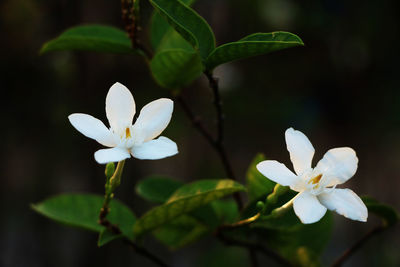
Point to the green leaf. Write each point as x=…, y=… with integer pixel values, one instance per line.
x=226, y=210
x=252, y=45
x=180, y=232
x=82, y=211
x=160, y=29
x=175, y=69
x=295, y=241
x=188, y=23
x=387, y=213
x=95, y=38
x=106, y=236
x=157, y=188
x=186, y=199
x=257, y=184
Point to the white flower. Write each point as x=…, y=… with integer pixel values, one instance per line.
x=124, y=138
x=317, y=187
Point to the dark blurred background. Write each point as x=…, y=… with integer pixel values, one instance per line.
x=341, y=89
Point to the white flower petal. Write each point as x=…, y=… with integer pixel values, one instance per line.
x=277, y=172
x=159, y=148
x=308, y=208
x=92, y=128
x=300, y=149
x=338, y=165
x=115, y=154
x=120, y=107
x=346, y=203
x=153, y=119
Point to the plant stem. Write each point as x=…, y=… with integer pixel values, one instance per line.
x=130, y=16
x=111, y=184
x=349, y=252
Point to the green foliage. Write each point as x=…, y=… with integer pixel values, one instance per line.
x=82, y=211
x=297, y=242
x=176, y=68
x=257, y=184
x=388, y=214
x=252, y=45
x=96, y=38
x=186, y=199
x=157, y=188
x=160, y=29
x=188, y=23
x=181, y=232
x=105, y=237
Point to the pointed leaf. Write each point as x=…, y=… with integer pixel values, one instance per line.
x=252, y=45
x=175, y=69
x=105, y=237
x=157, y=188
x=95, y=38
x=160, y=29
x=257, y=184
x=188, y=23
x=186, y=199
x=82, y=211
x=388, y=214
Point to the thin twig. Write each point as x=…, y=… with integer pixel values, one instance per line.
x=252, y=247
x=130, y=16
x=349, y=252
x=140, y=250
x=218, y=144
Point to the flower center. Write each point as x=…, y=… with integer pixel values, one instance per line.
x=315, y=181
x=128, y=133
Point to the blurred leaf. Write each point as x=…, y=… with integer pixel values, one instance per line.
x=175, y=69
x=180, y=232
x=160, y=29
x=257, y=184
x=186, y=199
x=226, y=210
x=387, y=213
x=82, y=211
x=157, y=188
x=105, y=237
x=287, y=235
x=252, y=45
x=173, y=41
x=95, y=38
x=188, y=23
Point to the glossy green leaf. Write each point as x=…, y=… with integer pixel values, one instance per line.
x=82, y=211
x=180, y=232
x=157, y=188
x=257, y=184
x=252, y=45
x=95, y=38
x=160, y=29
x=188, y=23
x=175, y=69
x=186, y=199
x=388, y=214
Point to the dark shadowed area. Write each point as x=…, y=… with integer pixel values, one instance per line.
x=340, y=89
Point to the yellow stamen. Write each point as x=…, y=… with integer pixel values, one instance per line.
x=316, y=179
x=128, y=133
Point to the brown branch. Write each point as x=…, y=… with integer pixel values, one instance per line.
x=130, y=17
x=253, y=247
x=349, y=252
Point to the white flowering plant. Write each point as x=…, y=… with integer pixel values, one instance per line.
x=274, y=211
